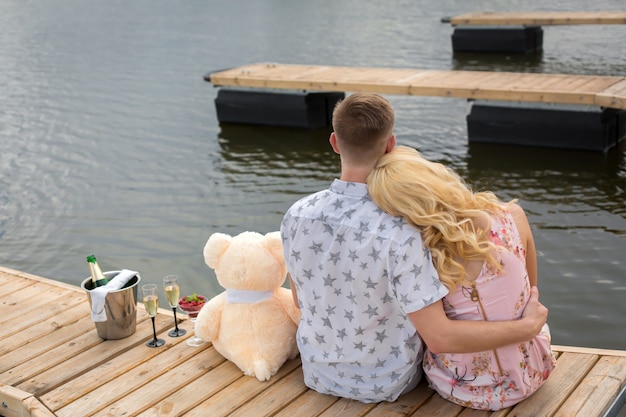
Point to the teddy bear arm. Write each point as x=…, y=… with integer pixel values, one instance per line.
x=207, y=325
x=286, y=301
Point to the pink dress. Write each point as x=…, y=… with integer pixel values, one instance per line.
x=502, y=377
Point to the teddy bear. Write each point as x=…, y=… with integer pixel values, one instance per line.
x=253, y=322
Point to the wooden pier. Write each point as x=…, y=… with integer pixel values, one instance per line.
x=539, y=18
x=518, y=32
x=583, y=112
x=52, y=363
x=591, y=90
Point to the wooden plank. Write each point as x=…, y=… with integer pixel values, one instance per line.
x=344, y=407
x=606, y=91
x=559, y=349
x=438, y=407
x=406, y=405
x=541, y=18
x=12, y=310
x=412, y=77
x=598, y=390
x=509, y=92
x=70, y=313
x=534, y=88
x=12, y=401
x=79, y=362
x=570, y=370
x=614, y=96
x=41, y=363
x=134, y=390
x=311, y=403
x=190, y=395
x=51, y=351
x=276, y=397
x=46, y=335
x=10, y=284
x=180, y=374
x=502, y=83
x=468, y=412
x=17, y=403
x=83, y=384
x=319, y=78
x=51, y=282
x=545, y=83
x=36, y=408
x=238, y=393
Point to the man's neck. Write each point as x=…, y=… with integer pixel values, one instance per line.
x=355, y=175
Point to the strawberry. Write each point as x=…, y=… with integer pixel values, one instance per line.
x=192, y=302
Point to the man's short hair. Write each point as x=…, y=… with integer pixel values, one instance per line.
x=363, y=119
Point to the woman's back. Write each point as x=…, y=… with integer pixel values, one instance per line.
x=499, y=378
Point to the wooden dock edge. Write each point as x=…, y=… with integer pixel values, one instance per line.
x=17, y=403
x=589, y=350
x=40, y=279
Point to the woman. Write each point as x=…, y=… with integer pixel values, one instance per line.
x=484, y=253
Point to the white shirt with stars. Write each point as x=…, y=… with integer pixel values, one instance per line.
x=357, y=272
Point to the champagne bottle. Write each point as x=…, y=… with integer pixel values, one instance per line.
x=97, y=277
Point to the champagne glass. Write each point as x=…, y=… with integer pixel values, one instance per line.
x=191, y=305
x=172, y=293
x=151, y=302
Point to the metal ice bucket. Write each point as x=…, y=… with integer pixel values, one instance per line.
x=120, y=306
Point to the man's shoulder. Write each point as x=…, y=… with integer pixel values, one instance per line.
x=311, y=197
x=307, y=204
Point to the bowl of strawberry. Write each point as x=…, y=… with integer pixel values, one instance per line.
x=191, y=304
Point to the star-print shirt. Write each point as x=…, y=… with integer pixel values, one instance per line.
x=357, y=272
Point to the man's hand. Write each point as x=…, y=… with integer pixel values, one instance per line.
x=535, y=313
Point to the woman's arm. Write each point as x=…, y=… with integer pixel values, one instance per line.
x=523, y=226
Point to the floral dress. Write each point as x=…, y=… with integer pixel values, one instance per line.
x=502, y=377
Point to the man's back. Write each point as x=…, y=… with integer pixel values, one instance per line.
x=357, y=271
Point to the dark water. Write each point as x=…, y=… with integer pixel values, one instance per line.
x=109, y=142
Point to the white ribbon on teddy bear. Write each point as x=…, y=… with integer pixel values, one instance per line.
x=247, y=296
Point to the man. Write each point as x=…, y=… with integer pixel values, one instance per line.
x=366, y=286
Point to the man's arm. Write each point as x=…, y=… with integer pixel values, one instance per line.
x=443, y=335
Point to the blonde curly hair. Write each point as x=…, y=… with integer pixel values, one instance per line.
x=436, y=200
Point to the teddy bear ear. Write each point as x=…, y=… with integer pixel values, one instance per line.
x=215, y=247
x=274, y=244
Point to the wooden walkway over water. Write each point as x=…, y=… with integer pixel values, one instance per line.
x=591, y=90
x=519, y=32
x=52, y=363
x=540, y=18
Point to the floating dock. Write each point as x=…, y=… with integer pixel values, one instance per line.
x=592, y=90
x=583, y=112
x=539, y=18
x=518, y=32
x=52, y=363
